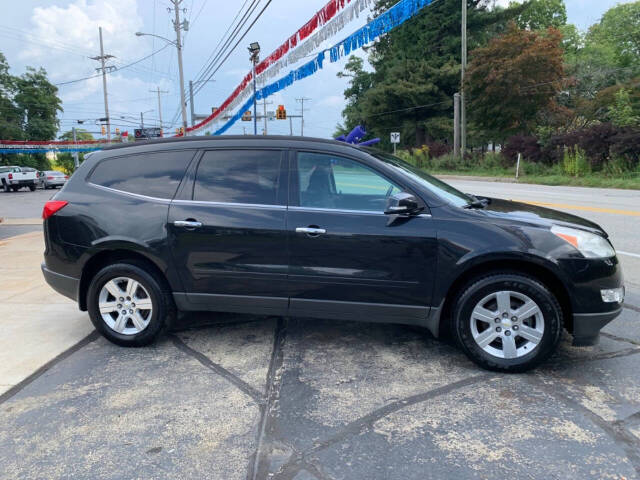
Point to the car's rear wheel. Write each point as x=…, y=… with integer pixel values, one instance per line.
x=6, y=187
x=128, y=304
x=32, y=188
x=507, y=322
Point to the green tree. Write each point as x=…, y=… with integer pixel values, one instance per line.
x=618, y=34
x=513, y=79
x=65, y=160
x=359, y=83
x=621, y=112
x=417, y=71
x=10, y=115
x=542, y=14
x=38, y=99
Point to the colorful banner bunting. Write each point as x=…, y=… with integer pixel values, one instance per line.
x=392, y=18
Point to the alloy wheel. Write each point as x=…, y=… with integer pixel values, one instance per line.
x=125, y=305
x=507, y=324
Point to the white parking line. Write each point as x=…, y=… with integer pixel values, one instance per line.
x=628, y=254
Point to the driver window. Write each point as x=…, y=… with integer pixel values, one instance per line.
x=328, y=181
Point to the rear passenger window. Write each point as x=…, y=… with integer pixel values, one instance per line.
x=238, y=176
x=155, y=174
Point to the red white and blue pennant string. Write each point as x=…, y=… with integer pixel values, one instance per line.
x=390, y=19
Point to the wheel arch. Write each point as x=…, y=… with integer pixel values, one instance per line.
x=106, y=257
x=539, y=271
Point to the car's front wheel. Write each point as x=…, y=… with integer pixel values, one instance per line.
x=128, y=305
x=507, y=322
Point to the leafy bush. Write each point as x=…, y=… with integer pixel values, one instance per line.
x=527, y=145
x=575, y=162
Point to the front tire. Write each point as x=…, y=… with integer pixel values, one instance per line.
x=507, y=322
x=128, y=304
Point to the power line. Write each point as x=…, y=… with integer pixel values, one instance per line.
x=117, y=69
x=239, y=40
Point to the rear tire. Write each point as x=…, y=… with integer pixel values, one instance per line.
x=488, y=329
x=5, y=187
x=137, y=327
x=32, y=188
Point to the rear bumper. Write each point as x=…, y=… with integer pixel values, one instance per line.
x=67, y=286
x=587, y=326
x=23, y=183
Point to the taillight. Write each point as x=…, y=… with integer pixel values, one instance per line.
x=10, y=176
x=66, y=177
x=52, y=207
x=49, y=178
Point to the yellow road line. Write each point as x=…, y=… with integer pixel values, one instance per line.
x=630, y=213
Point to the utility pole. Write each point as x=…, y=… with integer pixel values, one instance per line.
x=193, y=113
x=104, y=69
x=456, y=124
x=141, y=119
x=463, y=111
x=302, y=100
x=159, y=104
x=178, y=26
x=264, y=105
x=290, y=126
x=76, y=161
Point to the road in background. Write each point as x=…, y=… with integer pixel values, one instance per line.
x=617, y=211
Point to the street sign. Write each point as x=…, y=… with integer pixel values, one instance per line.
x=148, y=132
x=395, y=137
x=271, y=115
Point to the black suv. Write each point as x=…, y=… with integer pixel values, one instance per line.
x=316, y=228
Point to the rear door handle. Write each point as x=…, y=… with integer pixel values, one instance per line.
x=310, y=230
x=187, y=224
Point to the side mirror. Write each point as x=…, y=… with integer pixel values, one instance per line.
x=402, y=203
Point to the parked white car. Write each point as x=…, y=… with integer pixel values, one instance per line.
x=15, y=178
x=52, y=179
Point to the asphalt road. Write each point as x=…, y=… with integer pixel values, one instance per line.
x=300, y=399
x=617, y=211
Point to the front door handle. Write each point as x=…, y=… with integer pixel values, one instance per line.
x=311, y=230
x=187, y=224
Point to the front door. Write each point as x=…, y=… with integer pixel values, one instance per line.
x=348, y=259
x=229, y=238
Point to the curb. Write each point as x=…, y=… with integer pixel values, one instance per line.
x=20, y=221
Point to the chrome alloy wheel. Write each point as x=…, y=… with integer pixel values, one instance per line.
x=125, y=305
x=507, y=324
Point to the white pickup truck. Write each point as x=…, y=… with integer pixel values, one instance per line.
x=14, y=178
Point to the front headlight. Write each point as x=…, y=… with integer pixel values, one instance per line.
x=588, y=244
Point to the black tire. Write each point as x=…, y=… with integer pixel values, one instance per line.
x=481, y=287
x=15, y=189
x=5, y=187
x=163, y=311
x=32, y=188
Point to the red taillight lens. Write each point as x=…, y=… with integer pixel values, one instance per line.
x=10, y=176
x=49, y=178
x=66, y=177
x=52, y=207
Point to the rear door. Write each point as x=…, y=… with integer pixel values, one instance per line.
x=348, y=259
x=228, y=233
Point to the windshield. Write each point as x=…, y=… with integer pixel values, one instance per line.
x=441, y=189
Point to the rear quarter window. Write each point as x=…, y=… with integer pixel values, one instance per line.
x=156, y=174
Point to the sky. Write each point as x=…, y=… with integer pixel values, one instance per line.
x=62, y=35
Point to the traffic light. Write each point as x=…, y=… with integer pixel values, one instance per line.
x=181, y=130
x=281, y=113
x=246, y=116
x=104, y=130
x=177, y=131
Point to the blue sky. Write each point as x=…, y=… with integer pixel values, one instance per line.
x=62, y=35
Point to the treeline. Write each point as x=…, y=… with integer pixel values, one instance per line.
x=535, y=85
x=29, y=106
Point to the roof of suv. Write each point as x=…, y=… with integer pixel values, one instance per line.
x=244, y=138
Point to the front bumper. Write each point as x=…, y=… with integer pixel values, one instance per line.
x=587, y=326
x=67, y=286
